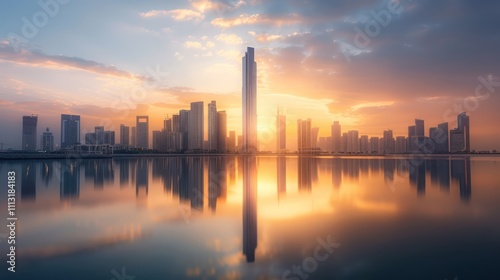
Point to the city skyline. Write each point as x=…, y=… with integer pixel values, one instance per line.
x=305, y=65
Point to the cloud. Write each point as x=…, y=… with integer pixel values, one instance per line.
x=255, y=19
x=193, y=45
x=178, y=14
x=39, y=59
x=219, y=5
x=230, y=39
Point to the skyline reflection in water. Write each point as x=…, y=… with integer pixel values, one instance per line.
x=185, y=210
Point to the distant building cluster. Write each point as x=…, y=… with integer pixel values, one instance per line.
x=440, y=139
x=183, y=132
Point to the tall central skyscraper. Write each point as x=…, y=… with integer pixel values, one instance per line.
x=70, y=130
x=29, y=132
x=249, y=98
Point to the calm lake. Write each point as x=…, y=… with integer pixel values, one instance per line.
x=231, y=217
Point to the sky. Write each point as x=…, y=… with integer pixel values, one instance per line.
x=372, y=65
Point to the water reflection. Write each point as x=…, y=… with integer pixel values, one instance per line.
x=249, y=207
x=300, y=194
x=28, y=181
x=69, y=181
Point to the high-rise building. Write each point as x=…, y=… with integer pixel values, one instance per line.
x=142, y=132
x=196, y=128
x=464, y=126
x=184, y=128
x=419, y=128
x=90, y=138
x=175, y=123
x=47, y=141
x=249, y=98
x=124, y=135
x=336, y=137
x=157, y=141
x=412, y=134
x=133, y=137
x=70, y=130
x=441, y=140
x=221, y=131
x=344, y=142
x=460, y=137
x=304, y=136
x=109, y=137
x=212, y=126
x=388, y=142
x=99, y=135
x=231, y=141
x=364, y=144
x=314, y=137
x=280, y=133
x=416, y=137
x=29, y=133
x=374, y=145
x=353, y=141
x=400, y=147
x=167, y=124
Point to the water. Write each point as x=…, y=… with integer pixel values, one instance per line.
x=255, y=218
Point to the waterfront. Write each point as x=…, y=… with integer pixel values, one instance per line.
x=228, y=217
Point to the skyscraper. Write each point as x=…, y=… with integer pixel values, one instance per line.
x=47, y=141
x=184, y=128
x=70, y=130
x=336, y=137
x=353, y=141
x=99, y=135
x=221, y=131
x=419, y=128
x=442, y=141
x=460, y=137
x=249, y=98
x=195, y=129
x=364, y=144
x=212, y=126
x=304, y=136
x=389, y=143
x=142, y=131
x=280, y=133
x=231, y=141
x=314, y=137
x=124, y=135
x=133, y=137
x=29, y=132
x=464, y=126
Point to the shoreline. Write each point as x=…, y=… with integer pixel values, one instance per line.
x=20, y=156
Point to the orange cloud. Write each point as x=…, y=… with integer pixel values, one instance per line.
x=254, y=19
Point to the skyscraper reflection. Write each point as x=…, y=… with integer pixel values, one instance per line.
x=47, y=172
x=336, y=172
x=281, y=175
x=124, y=165
x=216, y=181
x=195, y=183
x=460, y=171
x=142, y=182
x=417, y=175
x=70, y=180
x=249, y=207
x=307, y=172
x=28, y=181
